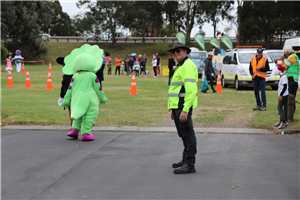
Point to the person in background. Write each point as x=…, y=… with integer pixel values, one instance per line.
x=108, y=61
x=209, y=70
x=122, y=68
x=8, y=62
x=118, y=64
x=137, y=67
x=140, y=62
x=154, y=64
x=126, y=60
x=143, y=65
x=99, y=73
x=64, y=87
x=283, y=93
x=158, y=64
x=182, y=99
x=291, y=63
x=259, y=65
x=130, y=66
x=171, y=64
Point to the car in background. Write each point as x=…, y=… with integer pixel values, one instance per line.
x=235, y=69
x=275, y=54
x=198, y=57
x=46, y=37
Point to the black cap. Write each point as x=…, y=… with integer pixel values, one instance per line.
x=60, y=60
x=180, y=45
x=260, y=50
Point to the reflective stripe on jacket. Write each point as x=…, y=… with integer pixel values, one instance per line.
x=261, y=64
x=183, y=87
x=293, y=70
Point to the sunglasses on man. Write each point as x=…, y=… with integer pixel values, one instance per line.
x=176, y=50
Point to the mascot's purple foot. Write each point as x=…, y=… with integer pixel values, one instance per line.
x=88, y=137
x=73, y=134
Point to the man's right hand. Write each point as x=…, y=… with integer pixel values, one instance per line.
x=171, y=115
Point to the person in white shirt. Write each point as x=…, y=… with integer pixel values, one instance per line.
x=154, y=64
x=283, y=93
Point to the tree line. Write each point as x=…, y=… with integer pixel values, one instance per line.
x=251, y=21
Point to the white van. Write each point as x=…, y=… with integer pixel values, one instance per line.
x=294, y=42
x=235, y=69
x=198, y=57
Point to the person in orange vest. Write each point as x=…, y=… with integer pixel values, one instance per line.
x=118, y=64
x=259, y=65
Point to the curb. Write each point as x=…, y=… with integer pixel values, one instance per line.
x=146, y=129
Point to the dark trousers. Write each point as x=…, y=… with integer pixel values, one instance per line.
x=293, y=86
x=155, y=72
x=260, y=85
x=117, y=69
x=209, y=78
x=187, y=134
x=282, y=108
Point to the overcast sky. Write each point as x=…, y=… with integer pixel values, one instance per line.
x=69, y=6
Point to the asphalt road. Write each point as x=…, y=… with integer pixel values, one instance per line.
x=39, y=164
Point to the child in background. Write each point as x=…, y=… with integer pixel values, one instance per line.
x=122, y=68
x=8, y=63
x=154, y=64
x=137, y=67
x=283, y=93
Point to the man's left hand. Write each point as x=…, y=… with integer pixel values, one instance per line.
x=183, y=116
x=257, y=68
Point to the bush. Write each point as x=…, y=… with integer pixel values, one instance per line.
x=162, y=47
x=4, y=50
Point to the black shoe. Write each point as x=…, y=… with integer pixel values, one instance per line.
x=185, y=169
x=176, y=165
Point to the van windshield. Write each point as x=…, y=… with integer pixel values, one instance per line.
x=197, y=55
x=276, y=55
x=245, y=57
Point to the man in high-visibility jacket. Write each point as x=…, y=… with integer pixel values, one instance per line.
x=291, y=62
x=259, y=65
x=118, y=64
x=182, y=99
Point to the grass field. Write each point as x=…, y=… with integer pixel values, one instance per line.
x=149, y=108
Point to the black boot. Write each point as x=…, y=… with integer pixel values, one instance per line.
x=176, y=165
x=185, y=169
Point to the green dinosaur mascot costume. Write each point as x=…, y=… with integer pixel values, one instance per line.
x=84, y=89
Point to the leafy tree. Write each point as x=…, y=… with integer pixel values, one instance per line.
x=105, y=16
x=143, y=16
x=4, y=50
x=8, y=18
x=192, y=15
x=61, y=23
x=217, y=11
x=25, y=24
x=171, y=10
x=259, y=22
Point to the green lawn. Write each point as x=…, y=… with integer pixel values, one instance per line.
x=36, y=105
x=149, y=108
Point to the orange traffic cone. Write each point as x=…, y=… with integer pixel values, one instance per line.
x=43, y=63
x=133, y=90
x=23, y=68
x=49, y=82
x=50, y=67
x=10, y=80
x=219, y=85
x=159, y=71
x=27, y=82
x=0, y=71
